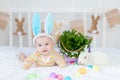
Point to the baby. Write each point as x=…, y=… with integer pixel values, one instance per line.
x=45, y=55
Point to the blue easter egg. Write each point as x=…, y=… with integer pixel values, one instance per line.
x=89, y=66
x=67, y=78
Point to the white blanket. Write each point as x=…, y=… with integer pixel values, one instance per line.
x=10, y=68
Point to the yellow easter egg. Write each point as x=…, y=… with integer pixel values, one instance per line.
x=83, y=70
x=77, y=74
x=95, y=68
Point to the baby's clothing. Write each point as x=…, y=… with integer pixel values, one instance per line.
x=39, y=60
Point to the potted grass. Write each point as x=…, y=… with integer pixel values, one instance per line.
x=71, y=44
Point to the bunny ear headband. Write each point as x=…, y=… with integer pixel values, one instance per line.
x=36, y=26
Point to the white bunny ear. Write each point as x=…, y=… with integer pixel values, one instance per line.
x=49, y=24
x=36, y=24
x=90, y=58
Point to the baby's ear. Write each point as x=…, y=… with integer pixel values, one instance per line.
x=53, y=44
x=35, y=45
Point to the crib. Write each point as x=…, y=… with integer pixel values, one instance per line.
x=26, y=40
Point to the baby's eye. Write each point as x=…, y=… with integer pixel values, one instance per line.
x=39, y=45
x=46, y=44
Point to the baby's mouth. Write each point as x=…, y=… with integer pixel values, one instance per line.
x=44, y=50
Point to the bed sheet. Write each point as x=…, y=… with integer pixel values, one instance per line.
x=10, y=68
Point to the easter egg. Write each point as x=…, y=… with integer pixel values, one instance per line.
x=95, y=68
x=67, y=78
x=77, y=74
x=53, y=75
x=83, y=70
x=31, y=76
x=90, y=66
x=59, y=77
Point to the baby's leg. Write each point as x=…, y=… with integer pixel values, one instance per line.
x=22, y=57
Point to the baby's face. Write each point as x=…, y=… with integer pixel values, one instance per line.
x=44, y=45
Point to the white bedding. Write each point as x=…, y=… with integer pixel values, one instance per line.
x=10, y=68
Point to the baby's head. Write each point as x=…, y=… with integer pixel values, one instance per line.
x=43, y=41
x=44, y=44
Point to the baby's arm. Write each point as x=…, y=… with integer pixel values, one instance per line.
x=29, y=61
x=59, y=59
x=27, y=64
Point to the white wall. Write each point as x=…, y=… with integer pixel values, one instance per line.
x=65, y=6
x=38, y=5
x=57, y=5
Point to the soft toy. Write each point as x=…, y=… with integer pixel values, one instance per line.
x=19, y=26
x=93, y=28
x=94, y=58
x=45, y=55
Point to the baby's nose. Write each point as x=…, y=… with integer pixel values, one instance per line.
x=81, y=63
x=44, y=47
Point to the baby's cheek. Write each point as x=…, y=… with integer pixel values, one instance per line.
x=39, y=49
x=49, y=48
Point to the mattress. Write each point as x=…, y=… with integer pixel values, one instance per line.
x=10, y=68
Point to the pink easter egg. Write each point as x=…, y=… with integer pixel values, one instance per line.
x=59, y=77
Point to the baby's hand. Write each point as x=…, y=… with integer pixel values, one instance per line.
x=26, y=66
x=63, y=65
x=22, y=57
